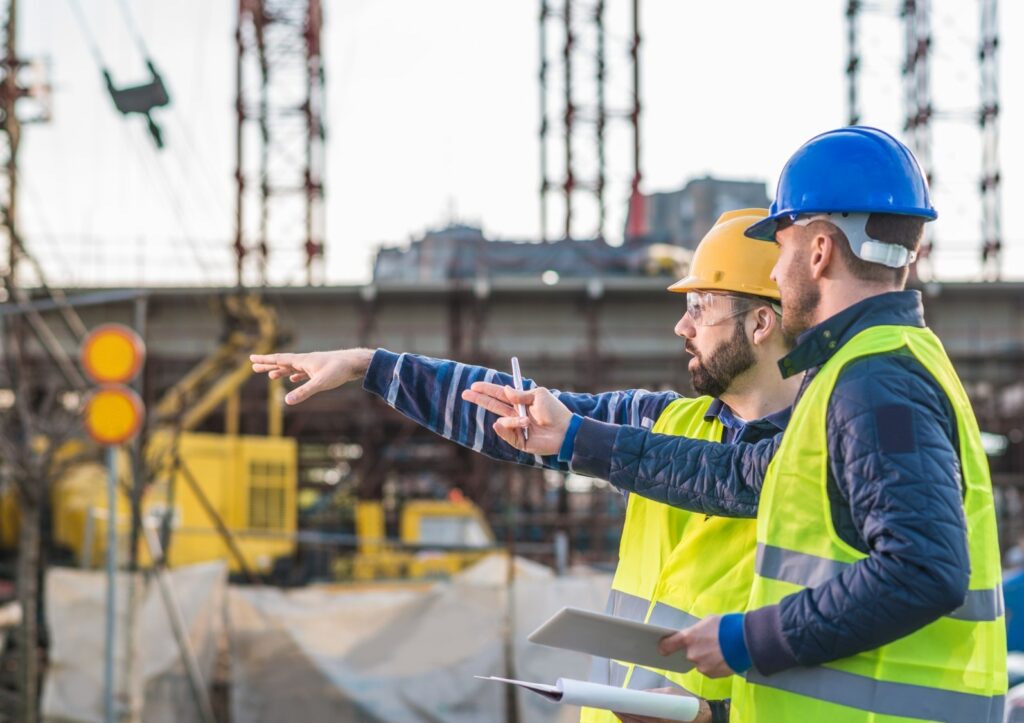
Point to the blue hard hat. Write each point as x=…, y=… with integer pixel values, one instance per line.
x=856, y=169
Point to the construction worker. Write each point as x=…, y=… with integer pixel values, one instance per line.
x=877, y=592
x=674, y=567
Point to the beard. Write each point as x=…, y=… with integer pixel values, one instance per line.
x=716, y=371
x=800, y=301
x=799, y=304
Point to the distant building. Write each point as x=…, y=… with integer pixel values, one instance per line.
x=463, y=252
x=683, y=217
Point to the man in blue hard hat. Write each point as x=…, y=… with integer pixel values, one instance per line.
x=877, y=588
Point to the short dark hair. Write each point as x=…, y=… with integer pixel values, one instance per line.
x=753, y=301
x=891, y=228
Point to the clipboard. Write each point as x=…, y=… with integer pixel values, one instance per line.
x=607, y=636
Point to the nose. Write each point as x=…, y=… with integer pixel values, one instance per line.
x=774, y=275
x=685, y=328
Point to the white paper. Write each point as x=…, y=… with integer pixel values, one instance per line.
x=607, y=697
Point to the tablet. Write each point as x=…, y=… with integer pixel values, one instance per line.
x=607, y=636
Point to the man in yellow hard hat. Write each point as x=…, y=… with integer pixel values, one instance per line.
x=675, y=567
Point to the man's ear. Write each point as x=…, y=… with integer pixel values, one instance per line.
x=822, y=253
x=765, y=321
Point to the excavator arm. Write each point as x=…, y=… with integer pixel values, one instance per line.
x=252, y=329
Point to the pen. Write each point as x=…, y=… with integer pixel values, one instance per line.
x=517, y=380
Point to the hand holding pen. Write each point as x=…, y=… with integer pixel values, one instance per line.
x=517, y=380
x=537, y=409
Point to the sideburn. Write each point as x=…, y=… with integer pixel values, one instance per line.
x=717, y=371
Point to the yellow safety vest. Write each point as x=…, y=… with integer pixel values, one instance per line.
x=952, y=670
x=676, y=567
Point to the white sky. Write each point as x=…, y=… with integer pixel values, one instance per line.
x=433, y=114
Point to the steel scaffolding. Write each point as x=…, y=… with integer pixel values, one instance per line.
x=584, y=123
x=279, y=139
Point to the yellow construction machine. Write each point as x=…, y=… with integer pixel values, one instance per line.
x=219, y=496
x=436, y=538
x=233, y=497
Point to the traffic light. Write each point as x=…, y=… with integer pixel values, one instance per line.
x=112, y=355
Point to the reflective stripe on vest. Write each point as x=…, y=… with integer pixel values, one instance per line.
x=600, y=670
x=623, y=605
x=667, y=616
x=647, y=679
x=806, y=570
x=618, y=673
x=862, y=693
x=951, y=670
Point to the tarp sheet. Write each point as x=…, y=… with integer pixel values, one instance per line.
x=75, y=616
x=387, y=652
x=402, y=653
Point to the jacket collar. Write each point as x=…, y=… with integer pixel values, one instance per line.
x=816, y=346
x=720, y=410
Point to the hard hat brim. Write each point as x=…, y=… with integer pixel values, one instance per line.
x=763, y=230
x=693, y=283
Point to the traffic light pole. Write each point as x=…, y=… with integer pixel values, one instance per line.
x=110, y=713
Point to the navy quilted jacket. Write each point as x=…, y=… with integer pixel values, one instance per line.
x=894, y=487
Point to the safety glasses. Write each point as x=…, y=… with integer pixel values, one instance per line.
x=706, y=308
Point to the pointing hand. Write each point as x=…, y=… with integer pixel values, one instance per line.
x=319, y=370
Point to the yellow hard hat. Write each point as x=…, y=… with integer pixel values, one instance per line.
x=727, y=260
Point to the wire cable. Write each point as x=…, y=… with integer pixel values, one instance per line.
x=90, y=39
x=133, y=28
x=176, y=208
x=215, y=197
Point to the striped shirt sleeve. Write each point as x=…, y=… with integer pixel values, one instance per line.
x=429, y=392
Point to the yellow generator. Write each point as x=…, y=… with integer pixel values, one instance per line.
x=436, y=538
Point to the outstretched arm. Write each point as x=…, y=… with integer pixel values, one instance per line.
x=431, y=393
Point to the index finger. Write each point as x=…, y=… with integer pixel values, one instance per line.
x=488, y=402
x=261, y=367
x=499, y=392
x=491, y=390
x=276, y=359
x=514, y=396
